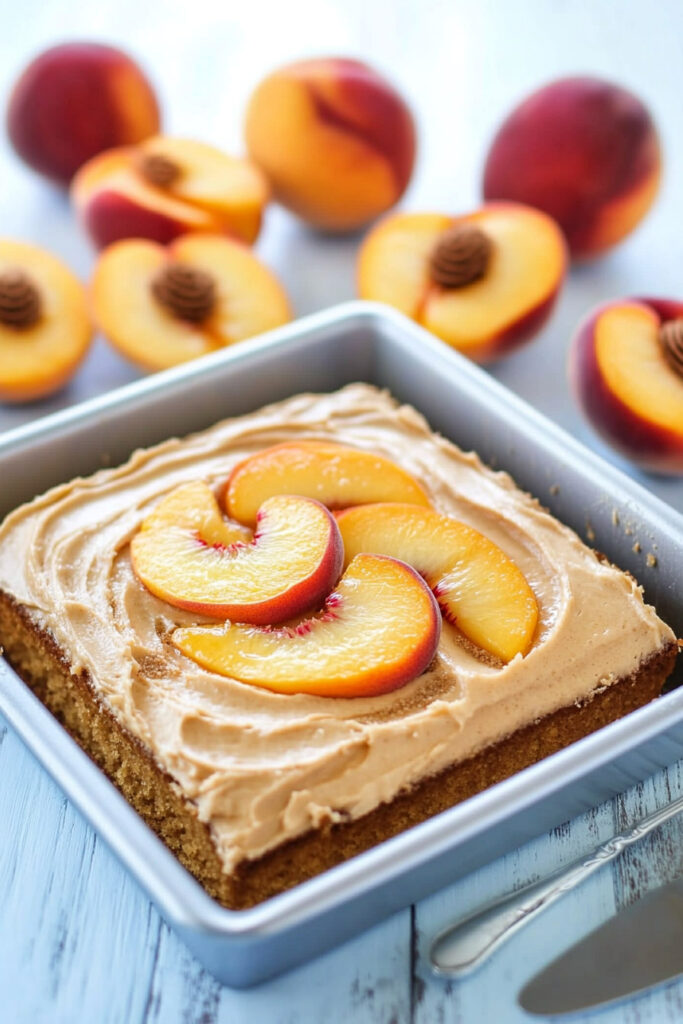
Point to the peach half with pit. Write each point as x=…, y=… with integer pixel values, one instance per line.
x=484, y=283
x=626, y=370
x=163, y=305
x=335, y=139
x=75, y=100
x=45, y=326
x=334, y=474
x=186, y=554
x=478, y=587
x=378, y=630
x=167, y=187
x=585, y=151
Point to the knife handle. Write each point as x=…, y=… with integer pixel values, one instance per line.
x=467, y=944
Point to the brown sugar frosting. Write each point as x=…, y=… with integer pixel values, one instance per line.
x=263, y=767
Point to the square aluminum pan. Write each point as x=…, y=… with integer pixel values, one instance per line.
x=366, y=342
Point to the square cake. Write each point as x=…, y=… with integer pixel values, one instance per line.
x=256, y=790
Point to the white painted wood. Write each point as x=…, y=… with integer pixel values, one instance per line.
x=78, y=941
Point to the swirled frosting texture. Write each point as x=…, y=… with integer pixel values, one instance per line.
x=261, y=767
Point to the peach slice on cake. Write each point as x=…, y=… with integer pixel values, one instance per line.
x=484, y=283
x=378, y=630
x=334, y=474
x=626, y=368
x=166, y=187
x=162, y=305
x=479, y=588
x=186, y=554
x=45, y=327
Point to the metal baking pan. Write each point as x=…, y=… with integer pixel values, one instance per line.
x=367, y=342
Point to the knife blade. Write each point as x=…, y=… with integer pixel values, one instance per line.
x=638, y=948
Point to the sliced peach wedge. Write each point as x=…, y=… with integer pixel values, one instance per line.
x=479, y=589
x=377, y=631
x=626, y=368
x=186, y=554
x=334, y=474
x=168, y=186
x=163, y=305
x=484, y=283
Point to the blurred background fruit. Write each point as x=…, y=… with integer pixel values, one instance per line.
x=75, y=100
x=336, y=140
x=584, y=150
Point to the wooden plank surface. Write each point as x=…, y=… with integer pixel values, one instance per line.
x=78, y=940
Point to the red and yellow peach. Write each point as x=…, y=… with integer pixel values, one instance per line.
x=335, y=139
x=75, y=100
x=586, y=152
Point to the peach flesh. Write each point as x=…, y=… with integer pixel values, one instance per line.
x=76, y=100
x=586, y=152
x=479, y=589
x=638, y=433
x=377, y=631
x=334, y=474
x=289, y=566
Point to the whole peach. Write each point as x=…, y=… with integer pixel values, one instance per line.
x=583, y=150
x=335, y=139
x=76, y=100
x=626, y=371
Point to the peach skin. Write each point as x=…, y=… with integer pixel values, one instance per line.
x=335, y=139
x=334, y=474
x=162, y=305
x=45, y=327
x=377, y=631
x=479, y=589
x=186, y=554
x=485, y=283
x=584, y=150
x=167, y=187
x=626, y=370
x=76, y=100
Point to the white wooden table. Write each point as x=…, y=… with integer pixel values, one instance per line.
x=78, y=940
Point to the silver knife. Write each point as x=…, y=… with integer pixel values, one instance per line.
x=636, y=949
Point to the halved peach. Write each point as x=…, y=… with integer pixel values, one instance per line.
x=187, y=555
x=166, y=187
x=334, y=474
x=479, y=588
x=627, y=382
x=45, y=327
x=378, y=630
x=484, y=283
x=162, y=305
